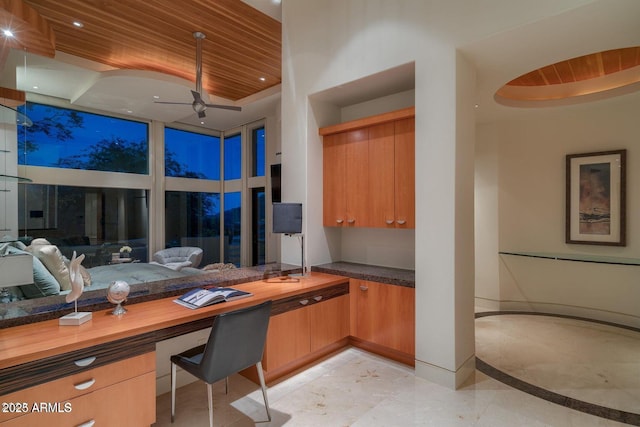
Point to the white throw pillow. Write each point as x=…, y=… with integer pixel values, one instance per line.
x=53, y=259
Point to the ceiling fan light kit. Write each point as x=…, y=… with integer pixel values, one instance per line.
x=198, y=104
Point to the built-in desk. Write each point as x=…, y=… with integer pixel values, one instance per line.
x=34, y=355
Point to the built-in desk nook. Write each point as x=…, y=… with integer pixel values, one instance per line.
x=103, y=371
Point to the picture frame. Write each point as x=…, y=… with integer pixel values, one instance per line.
x=596, y=198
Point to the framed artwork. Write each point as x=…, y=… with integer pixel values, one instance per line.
x=596, y=203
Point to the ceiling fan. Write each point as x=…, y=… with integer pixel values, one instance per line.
x=198, y=103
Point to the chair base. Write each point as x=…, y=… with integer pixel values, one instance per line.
x=210, y=394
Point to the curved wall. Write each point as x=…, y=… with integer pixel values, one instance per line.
x=520, y=200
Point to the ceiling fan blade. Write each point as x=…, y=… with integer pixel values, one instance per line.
x=225, y=107
x=173, y=103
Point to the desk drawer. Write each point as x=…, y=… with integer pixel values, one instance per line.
x=75, y=385
x=127, y=403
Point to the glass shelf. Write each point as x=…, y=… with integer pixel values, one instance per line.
x=12, y=178
x=575, y=257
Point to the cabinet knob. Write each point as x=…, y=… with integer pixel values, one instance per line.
x=89, y=423
x=364, y=288
x=318, y=298
x=85, y=362
x=85, y=385
x=304, y=301
x=389, y=221
x=339, y=221
x=402, y=222
x=351, y=221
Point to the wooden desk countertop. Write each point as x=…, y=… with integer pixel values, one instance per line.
x=27, y=343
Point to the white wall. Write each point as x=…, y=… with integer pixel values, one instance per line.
x=520, y=206
x=330, y=43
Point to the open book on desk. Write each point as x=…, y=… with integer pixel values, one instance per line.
x=202, y=297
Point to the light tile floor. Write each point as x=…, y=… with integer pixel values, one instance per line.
x=356, y=388
x=583, y=360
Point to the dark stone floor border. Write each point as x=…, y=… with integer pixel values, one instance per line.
x=630, y=418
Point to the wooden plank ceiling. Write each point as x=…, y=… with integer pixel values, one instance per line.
x=581, y=68
x=242, y=45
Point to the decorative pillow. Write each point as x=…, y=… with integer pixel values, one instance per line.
x=52, y=258
x=44, y=284
x=39, y=242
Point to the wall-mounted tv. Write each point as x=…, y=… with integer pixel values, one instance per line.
x=287, y=218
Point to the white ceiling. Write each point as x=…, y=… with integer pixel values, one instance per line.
x=502, y=38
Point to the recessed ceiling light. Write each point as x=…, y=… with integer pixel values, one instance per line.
x=7, y=33
x=129, y=111
x=201, y=123
x=156, y=97
x=263, y=79
x=78, y=24
x=36, y=87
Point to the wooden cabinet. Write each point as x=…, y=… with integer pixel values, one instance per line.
x=120, y=393
x=405, y=174
x=346, y=179
x=383, y=318
x=369, y=172
x=318, y=325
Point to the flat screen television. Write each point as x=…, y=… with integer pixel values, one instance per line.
x=287, y=218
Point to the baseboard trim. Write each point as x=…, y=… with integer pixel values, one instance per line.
x=445, y=377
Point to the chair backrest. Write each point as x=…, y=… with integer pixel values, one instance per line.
x=236, y=342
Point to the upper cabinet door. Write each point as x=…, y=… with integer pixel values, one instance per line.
x=405, y=173
x=369, y=172
x=381, y=175
x=333, y=173
x=357, y=178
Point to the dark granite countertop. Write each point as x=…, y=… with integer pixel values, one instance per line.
x=52, y=307
x=374, y=273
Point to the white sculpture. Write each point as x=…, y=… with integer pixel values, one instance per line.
x=77, y=283
x=77, y=286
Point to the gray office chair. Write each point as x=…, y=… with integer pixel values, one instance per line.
x=236, y=342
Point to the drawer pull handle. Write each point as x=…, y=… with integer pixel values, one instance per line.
x=304, y=301
x=339, y=221
x=85, y=362
x=389, y=221
x=351, y=221
x=85, y=385
x=364, y=288
x=318, y=298
x=89, y=423
x=402, y=222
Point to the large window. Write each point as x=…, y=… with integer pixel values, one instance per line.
x=258, y=148
x=70, y=139
x=232, y=227
x=213, y=186
x=257, y=185
x=193, y=219
x=232, y=157
x=191, y=155
x=91, y=221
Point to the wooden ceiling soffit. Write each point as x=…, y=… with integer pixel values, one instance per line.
x=242, y=45
x=598, y=75
x=31, y=31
